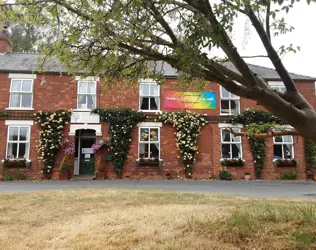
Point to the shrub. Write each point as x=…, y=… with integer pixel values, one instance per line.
x=14, y=177
x=64, y=166
x=225, y=175
x=288, y=175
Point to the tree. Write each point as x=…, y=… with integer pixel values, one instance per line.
x=24, y=37
x=123, y=38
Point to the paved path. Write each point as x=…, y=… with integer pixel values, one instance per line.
x=298, y=189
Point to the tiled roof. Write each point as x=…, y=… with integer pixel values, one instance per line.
x=27, y=62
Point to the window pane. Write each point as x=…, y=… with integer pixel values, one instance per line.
x=154, y=150
x=91, y=88
x=144, y=103
x=236, y=151
x=287, y=138
x=224, y=93
x=26, y=101
x=224, y=107
x=235, y=138
x=154, y=90
x=226, y=151
x=282, y=89
x=154, y=103
x=154, y=134
x=16, y=85
x=287, y=149
x=234, y=105
x=143, y=150
x=15, y=100
x=23, y=148
x=24, y=134
x=277, y=151
x=82, y=102
x=144, y=89
x=91, y=101
x=27, y=85
x=82, y=87
x=12, y=150
x=13, y=133
x=278, y=139
x=144, y=134
x=225, y=136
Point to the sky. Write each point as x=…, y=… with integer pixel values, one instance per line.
x=303, y=18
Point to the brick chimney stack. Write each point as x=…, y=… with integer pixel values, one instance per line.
x=5, y=45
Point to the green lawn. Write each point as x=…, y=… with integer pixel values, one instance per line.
x=142, y=219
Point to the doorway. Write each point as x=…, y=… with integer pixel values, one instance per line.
x=84, y=157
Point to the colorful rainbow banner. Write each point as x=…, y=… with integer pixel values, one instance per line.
x=190, y=100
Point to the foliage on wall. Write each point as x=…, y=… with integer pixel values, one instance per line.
x=256, y=121
x=121, y=123
x=310, y=155
x=51, y=132
x=187, y=125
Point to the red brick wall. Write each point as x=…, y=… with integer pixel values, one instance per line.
x=5, y=45
x=52, y=92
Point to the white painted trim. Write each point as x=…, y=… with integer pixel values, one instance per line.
x=19, y=122
x=148, y=81
x=229, y=125
x=150, y=124
x=275, y=83
x=88, y=78
x=19, y=108
x=29, y=139
x=75, y=127
x=22, y=76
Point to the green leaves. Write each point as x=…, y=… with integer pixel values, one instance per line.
x=51, y=132
x=121, y=123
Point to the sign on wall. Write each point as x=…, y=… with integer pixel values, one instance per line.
x=190, y=100
x=84, y=117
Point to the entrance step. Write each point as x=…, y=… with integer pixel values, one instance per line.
x=83, y=177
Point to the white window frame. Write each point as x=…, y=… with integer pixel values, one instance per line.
x=231, y=97
x=237, y=129
x=148, y=82
x=16, y=78
x=284, y=143
x=28, y=141
x=277, y=85
x=86, y=93
x=147, y=142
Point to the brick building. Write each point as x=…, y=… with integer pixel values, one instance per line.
x=25, y=91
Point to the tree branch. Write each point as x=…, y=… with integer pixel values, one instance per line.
x=258, y=56
x=156, y=14
x=273, y=55
x=268, y=19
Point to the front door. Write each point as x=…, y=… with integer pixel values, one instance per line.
x=86, y=166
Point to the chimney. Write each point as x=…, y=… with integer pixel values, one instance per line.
x=5, y=45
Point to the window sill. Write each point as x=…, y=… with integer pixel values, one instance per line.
x=229, y=114
x=150, y=111
x=19, y=108
x=82, y=110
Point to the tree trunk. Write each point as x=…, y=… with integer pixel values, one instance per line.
x=298, y=112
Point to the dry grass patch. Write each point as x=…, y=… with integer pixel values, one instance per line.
x=143, y=219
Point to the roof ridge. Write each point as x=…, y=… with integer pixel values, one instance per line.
x=277, y=72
